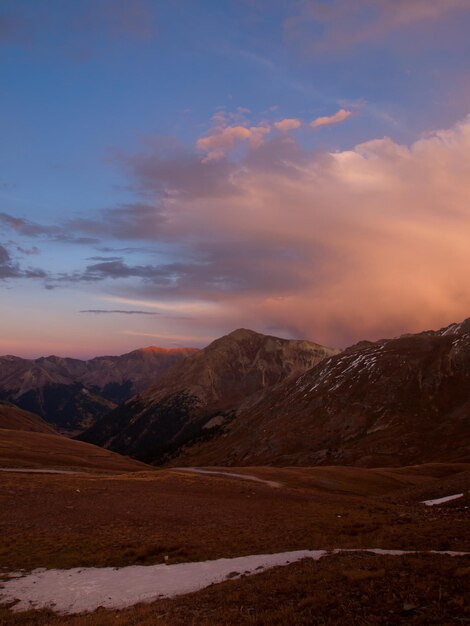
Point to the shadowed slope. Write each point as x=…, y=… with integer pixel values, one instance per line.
x=71, y=393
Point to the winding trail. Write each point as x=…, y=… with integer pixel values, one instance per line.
x=81, y=590
x=197, y=470
x=38, y=470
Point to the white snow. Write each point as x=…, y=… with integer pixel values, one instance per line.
x=197, y=470
x=442, y=500
x=81, y=590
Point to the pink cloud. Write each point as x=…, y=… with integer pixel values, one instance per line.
x=224, y=136
x=329, y=120
x=345, y=23
x=287, y=124
x=366, y=242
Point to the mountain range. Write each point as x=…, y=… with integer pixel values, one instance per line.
x=252, y=399
x=389, y=403
x=72, y=393
x=14, y=418
x=248, y=399
x=198, y=398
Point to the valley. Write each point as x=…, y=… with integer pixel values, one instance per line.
x=168, y=517
x=226, y=510
x=71, y=394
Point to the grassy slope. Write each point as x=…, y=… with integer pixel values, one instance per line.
x=49, y=451
x=13, y=417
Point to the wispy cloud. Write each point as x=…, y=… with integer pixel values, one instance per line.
x=340, y=24
x=28, y=228
x=179, y=341
x=329, y=120
x=117, y=311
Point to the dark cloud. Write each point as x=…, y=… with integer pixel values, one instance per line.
x=128, y=221
x=104, y=258
x=27, y=228
x=215, y=270
x=119, y=269
x=112, y=270
x=129, y=250
x=179, y=174
x=33, y=251
x=106, y=311
x=10, y=269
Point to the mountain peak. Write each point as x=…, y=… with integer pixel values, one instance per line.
x=204, y=392
x=243, y=333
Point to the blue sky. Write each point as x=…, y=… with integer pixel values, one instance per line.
x=103, y=105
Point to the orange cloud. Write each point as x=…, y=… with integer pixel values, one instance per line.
x=329, y=120
x=366, y=242
x=336, y=247
x=289, y=123
x=223, y=139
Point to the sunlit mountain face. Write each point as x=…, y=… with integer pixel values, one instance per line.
x=172, y=171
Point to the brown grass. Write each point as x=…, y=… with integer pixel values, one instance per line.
x=12, y=416
x=39, y=450
x=81, y=520
x=360, y=481
x=85, y=520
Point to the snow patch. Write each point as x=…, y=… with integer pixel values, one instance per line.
x=442, y=500
x=81, y=590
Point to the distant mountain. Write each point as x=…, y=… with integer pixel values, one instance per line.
x=394, y=402
x=72, y=393
x=14, y=418
x=202, y=395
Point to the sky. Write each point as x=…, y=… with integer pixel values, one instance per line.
x=173, y=170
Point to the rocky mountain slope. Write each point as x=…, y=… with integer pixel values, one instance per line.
x=72, y=393
x=14, y=418
x=203, y=394
x=389, y=403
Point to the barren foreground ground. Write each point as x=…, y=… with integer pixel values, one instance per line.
x=62, y=521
